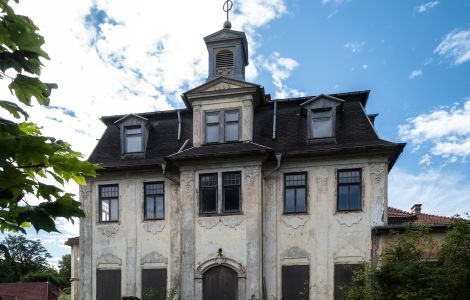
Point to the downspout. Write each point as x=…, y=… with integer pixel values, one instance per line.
x=183, y=146
x=278, y=159
x=166, y=176
x=274, y=119
x=179, y=124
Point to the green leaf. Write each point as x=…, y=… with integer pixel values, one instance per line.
x=13, y=109
x=20, y=60
x=22, y=34
x=26, y=87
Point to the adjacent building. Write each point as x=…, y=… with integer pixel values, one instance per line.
x=236, y=196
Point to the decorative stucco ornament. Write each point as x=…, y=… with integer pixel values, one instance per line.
x=108, y=258
x=295, y=253
x=153, y=257
x=108, y=230
x=348, y=220
x=251, y=174
x=154, y=227
x=295, y=221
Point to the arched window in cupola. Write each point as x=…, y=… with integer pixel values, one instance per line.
x=224, y=63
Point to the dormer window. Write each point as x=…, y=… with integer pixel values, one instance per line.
x=231, y=126
x=222, y=126
x=133, y=139
x=322, y=123
x=212, y=127
x=321, y=118
x=224, y=62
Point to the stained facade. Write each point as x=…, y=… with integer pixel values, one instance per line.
x=236, y=195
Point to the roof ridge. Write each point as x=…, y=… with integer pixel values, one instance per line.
x=433, y=215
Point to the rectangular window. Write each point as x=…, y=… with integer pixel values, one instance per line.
x=108, y=284
x=349, y=190
x=154, y=284
x=322, y=124
x=208, y=193
x=109, y=203
x=296, y=282
x=343, y=276
x=133, y=139
x=212, y=127
x=295, y=193
x=154, y=205
x=231, y=126
x=231, y=183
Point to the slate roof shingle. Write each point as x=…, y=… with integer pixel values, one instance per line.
x=354, y=133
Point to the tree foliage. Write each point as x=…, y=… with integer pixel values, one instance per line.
x=27, y=158
x=20, y=256
x=405, y=271
x=65, y=267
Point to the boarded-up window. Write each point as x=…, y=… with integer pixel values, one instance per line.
x=154, y=284
x=295, y=282
x=343, y=278
x=108, y=284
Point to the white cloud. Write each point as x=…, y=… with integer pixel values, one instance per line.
x=110, y=57
x=447, y=130
x=440, y=192
x=365, y=67
x=281, y=68
x=455, y=46
x=415, y=73
x=354, y=47
x=426, y=6
x=425, y=160
x=336, y=2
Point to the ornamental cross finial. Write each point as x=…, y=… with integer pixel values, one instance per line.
x=228, y=7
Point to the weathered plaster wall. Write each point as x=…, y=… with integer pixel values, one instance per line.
x=238, y=235
x=243, y=103
x=131, y=244
x=74, y=271
x=430, y=245
x=323, y=236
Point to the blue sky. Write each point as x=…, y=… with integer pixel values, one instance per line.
x=109, y=57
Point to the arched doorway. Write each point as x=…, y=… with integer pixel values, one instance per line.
x=220, y=283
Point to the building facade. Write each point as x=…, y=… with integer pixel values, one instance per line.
x=236, y=196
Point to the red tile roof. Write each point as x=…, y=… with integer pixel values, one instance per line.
x=398, y=216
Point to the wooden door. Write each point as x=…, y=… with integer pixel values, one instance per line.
x=220, y=283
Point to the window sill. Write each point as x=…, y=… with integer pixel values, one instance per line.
x=304, y=213
x=152, y=220
x=345, y=211
x=325, y=140
x=238, y=213
x=133, y=155
x=107, y=222
x=222, y=143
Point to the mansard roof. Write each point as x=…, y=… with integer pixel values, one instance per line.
x=355, y=135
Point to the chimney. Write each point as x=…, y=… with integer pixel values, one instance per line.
x=416, y=209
